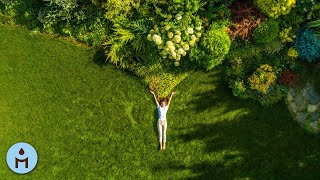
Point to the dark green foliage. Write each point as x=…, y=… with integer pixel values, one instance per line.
x=266, y=31
x=217, y=10
x=307, y=45
x=22, y=12
x=315, y=25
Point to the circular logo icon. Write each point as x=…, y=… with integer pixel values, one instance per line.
x=22, y=158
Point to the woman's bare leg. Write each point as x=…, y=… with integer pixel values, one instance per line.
x=164, y=134
x=160, y=134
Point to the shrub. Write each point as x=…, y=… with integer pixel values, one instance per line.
x=213, y=47
x=262, y=78
x=174, y=37
x=273, y=47
x=275, y=8
x=22, y=12
x=307, y=45
x=292, y=52
x=245, y=18
x=288, y=78
x=286, y=35
x=275, y=94
x=315, y=25
x=266, y=31
x=238, y=88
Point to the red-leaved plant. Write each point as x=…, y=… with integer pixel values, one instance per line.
x=289, y=78
x=245, y=18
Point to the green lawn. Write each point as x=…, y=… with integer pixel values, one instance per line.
x=91, y=121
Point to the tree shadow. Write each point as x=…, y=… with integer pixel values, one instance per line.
x=99, y=57
x=258, y=143
x=252, y=147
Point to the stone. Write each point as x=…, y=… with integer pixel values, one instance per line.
x=315, y=116
x=301, y=117
x=314, y=125
x=300, y=102
x=312, y=96
x=312, y=108
x=289, y=97
x=293, y=107
x=292, y=92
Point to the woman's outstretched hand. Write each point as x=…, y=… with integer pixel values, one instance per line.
x=173, y=93
x=152, y=92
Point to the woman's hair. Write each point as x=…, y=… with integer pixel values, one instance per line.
x=163, y=100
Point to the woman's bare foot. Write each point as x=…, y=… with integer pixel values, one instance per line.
x=164, y=146
x=161, y=146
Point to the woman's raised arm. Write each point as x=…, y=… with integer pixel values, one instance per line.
x=155, y=98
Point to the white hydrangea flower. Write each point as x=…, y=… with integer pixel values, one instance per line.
x=172, y=48
x=198, y=28
x=190, y=30
x=184, y=53
x=174, y=54
x=178, y=57
x=156, y=39
x=198, y=34
x=177, y=39
x=169, y=43
x=193, y=37
x=149, y=37
x=192, y=42
x=180, y=51
x=186, y=47
x=178, y=17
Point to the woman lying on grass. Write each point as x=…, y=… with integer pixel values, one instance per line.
x=162, y=121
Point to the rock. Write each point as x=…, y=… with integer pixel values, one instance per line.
x=289, y=97
x=301, y=117
x=292, y=92
x=314, y=125
x=312, y=96
x=315, y=116
x=300, y=102
x=293, y=107
x=312, y=108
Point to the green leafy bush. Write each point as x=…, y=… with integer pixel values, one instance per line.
x=308, y=45
x=266, y=31
x=246, y=77
x=213, y=47
x=275, y=8
x=21, y=11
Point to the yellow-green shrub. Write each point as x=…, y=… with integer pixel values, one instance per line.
x=286, y=35
x=292, y=52
x=262, y=78
x=275, y=8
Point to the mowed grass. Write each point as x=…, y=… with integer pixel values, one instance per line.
x=91, y=121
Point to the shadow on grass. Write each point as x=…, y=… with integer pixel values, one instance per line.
x=251, y=147
x=262, y=143
x=99, y=57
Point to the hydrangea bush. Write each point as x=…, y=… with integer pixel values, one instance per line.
x=176, y=35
